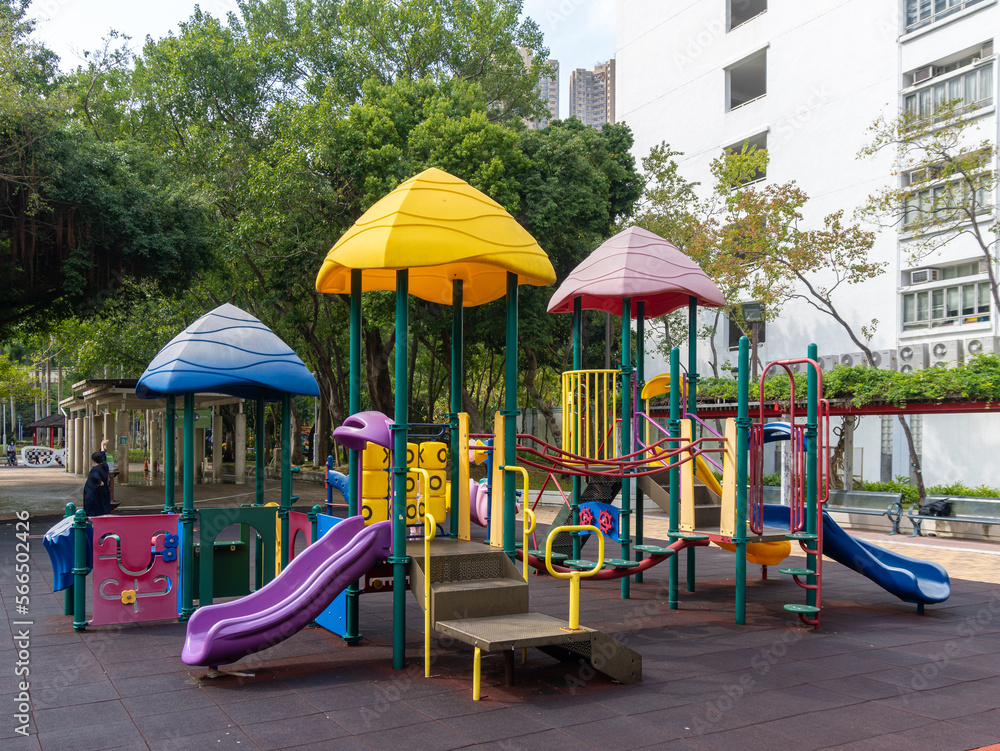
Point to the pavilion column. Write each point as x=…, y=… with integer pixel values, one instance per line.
x=152, y=441
x=78, y=429
x=70, y=460
x=240, y=449
x=199, y=453
x=107, y=431
x=122, y=449
x=218, y=436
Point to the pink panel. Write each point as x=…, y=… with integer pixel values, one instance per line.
x=135, y=568
x=298, y=521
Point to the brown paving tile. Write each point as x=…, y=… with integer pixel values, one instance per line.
x=170, y=701
x=229, y=738
x=862, y=687
x=844, y=724
x=111, y=735
x=617, y=733
x=752, y=738
x=446, y=704
x=560, y=712
x=985, y=722
x=498, y=724
x=692, y=719
x=427, y=736
x=347, y=697
x=547, y=740
x=47, y=698
x=269, y=708
x=293, y=732
x=184, y=722
x=80, y=715
x=940, y=736
x=933, y=705
x=368, y=719
x=914, y=678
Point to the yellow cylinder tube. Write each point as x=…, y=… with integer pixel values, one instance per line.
x=476, y=673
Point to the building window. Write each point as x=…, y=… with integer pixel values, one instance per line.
x=943, y=304
x=735, y=332
x=746, y=81
x=946, y=203
x=972, y=88
x=754, y=143
x=741, y=11
x=922, y=12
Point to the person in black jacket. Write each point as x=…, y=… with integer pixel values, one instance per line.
x=97, y=490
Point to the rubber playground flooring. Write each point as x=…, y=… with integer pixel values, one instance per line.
x=876, y=676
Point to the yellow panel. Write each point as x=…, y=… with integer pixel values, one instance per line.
x=464, y=531
x=687, y=482
x=433, y=455
x=412, y=481
x=415, y=509
x=727, y=524
x=374, y=457
x=375, y=484
x=411, y=454
x=437, y=481
x=440, y=228
x=436, y=505
x=374, y=510
x=496, y=497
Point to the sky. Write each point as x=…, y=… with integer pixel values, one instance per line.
x=579, y=33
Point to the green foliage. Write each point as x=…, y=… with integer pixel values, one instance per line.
x=15, y=381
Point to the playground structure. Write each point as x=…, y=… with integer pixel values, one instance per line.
x=474, y=593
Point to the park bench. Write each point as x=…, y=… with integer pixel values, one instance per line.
x=859, y=502
x=984, y=511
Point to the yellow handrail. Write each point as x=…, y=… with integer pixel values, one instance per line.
x=574, y=576
x=526, y=515
x=429, y=530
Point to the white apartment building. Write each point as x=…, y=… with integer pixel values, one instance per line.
x=548, y=90
x=592, y=94
x=806, y=80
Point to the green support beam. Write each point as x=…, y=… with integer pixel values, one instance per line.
x=692, y=407
x=457, y=384
x=188, y=513
x=170, y=456
x=624, y=529
x=286, y=476
x=742, y=447
x=674, y=429
x=399, y=559
x=812, y=422
x=510, y=420
x=577, y=365
x=639, y=426
x=352, y=628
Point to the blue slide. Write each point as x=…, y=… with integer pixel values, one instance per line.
x=909, y=579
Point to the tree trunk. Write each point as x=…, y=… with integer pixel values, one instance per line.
x=918, y=473
x=380, y=389
x=296, y=434
x=322, y=437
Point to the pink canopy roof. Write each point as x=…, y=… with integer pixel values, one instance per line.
x=639, y=265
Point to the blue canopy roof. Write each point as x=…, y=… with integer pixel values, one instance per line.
x=226, y=351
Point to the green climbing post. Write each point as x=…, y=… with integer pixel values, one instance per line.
x=692, y=406
x=259, y=448
x=286, y=475
x=353, y=603
x=674, y=430
x=170, y=456
x=68, y=596
x=80, y=570
x=640, y=406
x=628, y=421
x=510, y=420
x=457, y=384
x=399, y=559
x=812, y=432
x=577, y=365
x=313, y=517
x=188, y=513
x=742, y=447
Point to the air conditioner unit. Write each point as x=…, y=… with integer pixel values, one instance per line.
x=924, y=275
x=829, y=362
x=922, y=74
x=884, y=359
x=912, y=357
x=853, y=358
x=984, y=266
x=946, y=353
x=982, y=345
x=986, y=50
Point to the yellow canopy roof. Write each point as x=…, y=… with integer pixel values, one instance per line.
x=441, y=228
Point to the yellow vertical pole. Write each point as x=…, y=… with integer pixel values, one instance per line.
x=429, y=525
x=476, y=673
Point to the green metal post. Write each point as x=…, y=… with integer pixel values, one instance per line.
x=352, y=634
x=286, y=475
x=624, y=528
x=188, y=512
x=259, y=449
x=577, y=365
x=313, y=515
x=510, y=420
x=742, y=447
x=457, y=384
x=674, y=429
x=692, y=406
x=80, y=570
x=640, y=382
x=398, y=559
x=68, y=596
x=812, y=421
x=169, y=456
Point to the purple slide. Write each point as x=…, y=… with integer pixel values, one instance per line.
x=226, y=632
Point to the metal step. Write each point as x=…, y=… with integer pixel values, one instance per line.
x=604, y=654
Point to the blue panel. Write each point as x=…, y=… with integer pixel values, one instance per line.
x=226, y=351
x=596, y=508
x=58, y=542
x=334, y=618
